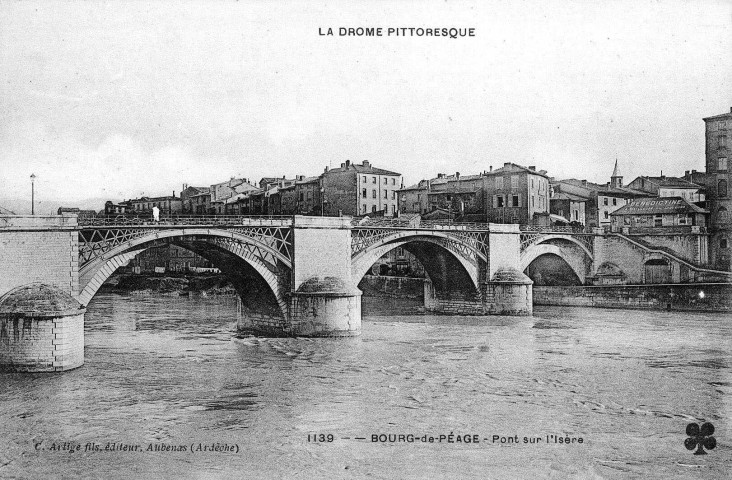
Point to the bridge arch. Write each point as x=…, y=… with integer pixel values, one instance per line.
x=267, y=263
x=464, y=253
x=571, y=256
x=560, y=238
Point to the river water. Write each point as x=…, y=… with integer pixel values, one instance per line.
x=170, y=372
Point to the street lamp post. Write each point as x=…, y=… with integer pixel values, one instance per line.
x=33, y=193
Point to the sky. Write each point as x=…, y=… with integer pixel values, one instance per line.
x=114, y=100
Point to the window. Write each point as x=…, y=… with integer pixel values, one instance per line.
x=576, y=215
x=604, y=201
x=499, y=201
x=363, y=209
x=393, y=195
x=722, y=216
x=723, y=243
x=373, y=180
x=722, y=188
x=533, y=202
x=310, y=195
x=301, y=196
x=722, y=141
x=515, y=201
x=386, y=181
x=722, y=164
x=393, y=181
x=364, y=179
x=363, y=193
x=373, y=193
x=386, y=194
x=658, y=220
x=514, y=181
x=499, y=183
x=615, y=201
x=373, y=208
x=606, y=215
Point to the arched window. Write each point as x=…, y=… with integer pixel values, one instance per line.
x=722, y=215
x=722, y=188
x=723, y=243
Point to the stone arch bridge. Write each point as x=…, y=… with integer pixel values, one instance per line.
x=294, y=275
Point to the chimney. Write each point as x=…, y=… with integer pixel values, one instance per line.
x=505, y=164
x=367, y=164
x=326, y=169
x=532, y=168
x=490, y=169
x=457, y=175
x=348, y=163
x=343, y=165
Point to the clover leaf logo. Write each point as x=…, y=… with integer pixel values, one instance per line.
x=700, y=438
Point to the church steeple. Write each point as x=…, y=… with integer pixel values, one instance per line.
x=616, y=180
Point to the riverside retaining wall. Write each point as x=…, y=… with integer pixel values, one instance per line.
x=395, y=287
x=711, y=297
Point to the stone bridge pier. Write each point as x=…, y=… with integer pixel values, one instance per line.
x=323, y=301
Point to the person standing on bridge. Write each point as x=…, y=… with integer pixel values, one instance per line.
x=156, y=214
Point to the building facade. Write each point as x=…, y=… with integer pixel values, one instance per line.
x=568, y=206
x=413, y=199
x=189, y=198
x=167, y=205
x=516, y=194
x=719, y=197
x=354, y=189
x=663, y=186
x=662, y=213
x=308, y=196
x=601, y=200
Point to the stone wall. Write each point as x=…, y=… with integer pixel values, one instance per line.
x=49, y=257
x=715, y=296
x=685, y=246
x=394, y=287
x=452, y=302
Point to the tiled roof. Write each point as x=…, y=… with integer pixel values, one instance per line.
x=568, y=196
x=661, y=205
x=512, y=167
x=723, y=115
x=308, y=180
x=416, y=186
x=671, y=182
x=362, y=169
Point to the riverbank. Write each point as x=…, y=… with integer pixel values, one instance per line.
x=170, y=284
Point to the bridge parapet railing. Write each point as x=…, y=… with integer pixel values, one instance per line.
x=188, y=220
x=417, y=224
x=554, y=229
